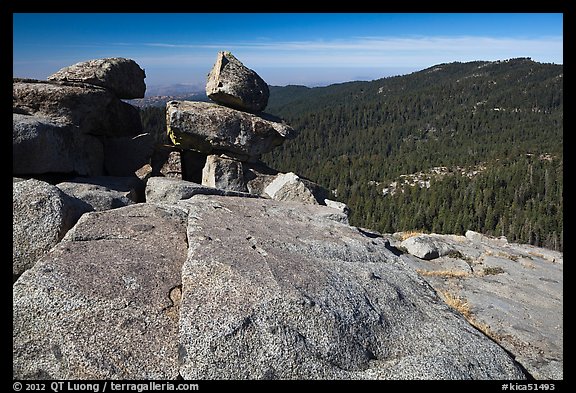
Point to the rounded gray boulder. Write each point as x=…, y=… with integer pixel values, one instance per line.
x=41, y=216
x=123, y=77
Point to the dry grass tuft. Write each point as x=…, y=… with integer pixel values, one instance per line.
x=442, y=273
x=484, y=328
x=457, y=303
x=409, y=234
x=536, y=254
x=492, y=270
x=463, y=307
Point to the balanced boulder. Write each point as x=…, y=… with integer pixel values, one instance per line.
x=123, y=77
x=233, y=84
x=207, y=128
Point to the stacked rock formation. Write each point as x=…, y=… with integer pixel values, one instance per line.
x=76, y=122
x=233, y=133
x=75, y=132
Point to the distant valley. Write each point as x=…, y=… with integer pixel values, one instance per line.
x=161, y=100
x=502, y=121
x=506, y=117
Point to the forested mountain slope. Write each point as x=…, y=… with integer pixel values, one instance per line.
x=505, y=117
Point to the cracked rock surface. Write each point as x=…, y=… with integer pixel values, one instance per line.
x=513, y=291
x=216, y=287
x=275, y=290
x=103, y=304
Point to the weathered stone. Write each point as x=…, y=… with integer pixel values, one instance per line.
x=123, y=156
x=232, y=84
x=273, y=290
x=211, y=128
x=173, y=165
x=514, y=294
x=123, y=77
x=479, y=238
x=144, y=172
x=224, y=173
x=94, y=110
x=44, y=145
x=104, y=303
x=290, y=187
x=170, y=190
x=257, y=176
x=340, y=206
x=426, y=246
x=41, y=216
x=160, y=156
x=101, y=194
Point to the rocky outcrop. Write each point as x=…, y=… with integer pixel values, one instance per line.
x=512, y=292
x=122, y=76
x=41, y=216
x=257, y=289
x=42, y=144
x=77, y=123
x=208, y=128
x=232, y=84
x=92, y=109
x=104, y=304
x=207, y=281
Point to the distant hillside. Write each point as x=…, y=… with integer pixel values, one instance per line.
x=161, y=100
x=506, y=116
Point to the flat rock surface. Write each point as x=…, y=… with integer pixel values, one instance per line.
x=275, y=290
x=514, y=290
x=170, y=190
x=104, y=303
x=98, y=197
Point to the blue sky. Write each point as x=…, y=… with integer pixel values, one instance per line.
x=309, y=49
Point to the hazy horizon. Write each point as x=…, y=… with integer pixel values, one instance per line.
x=284, y=49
